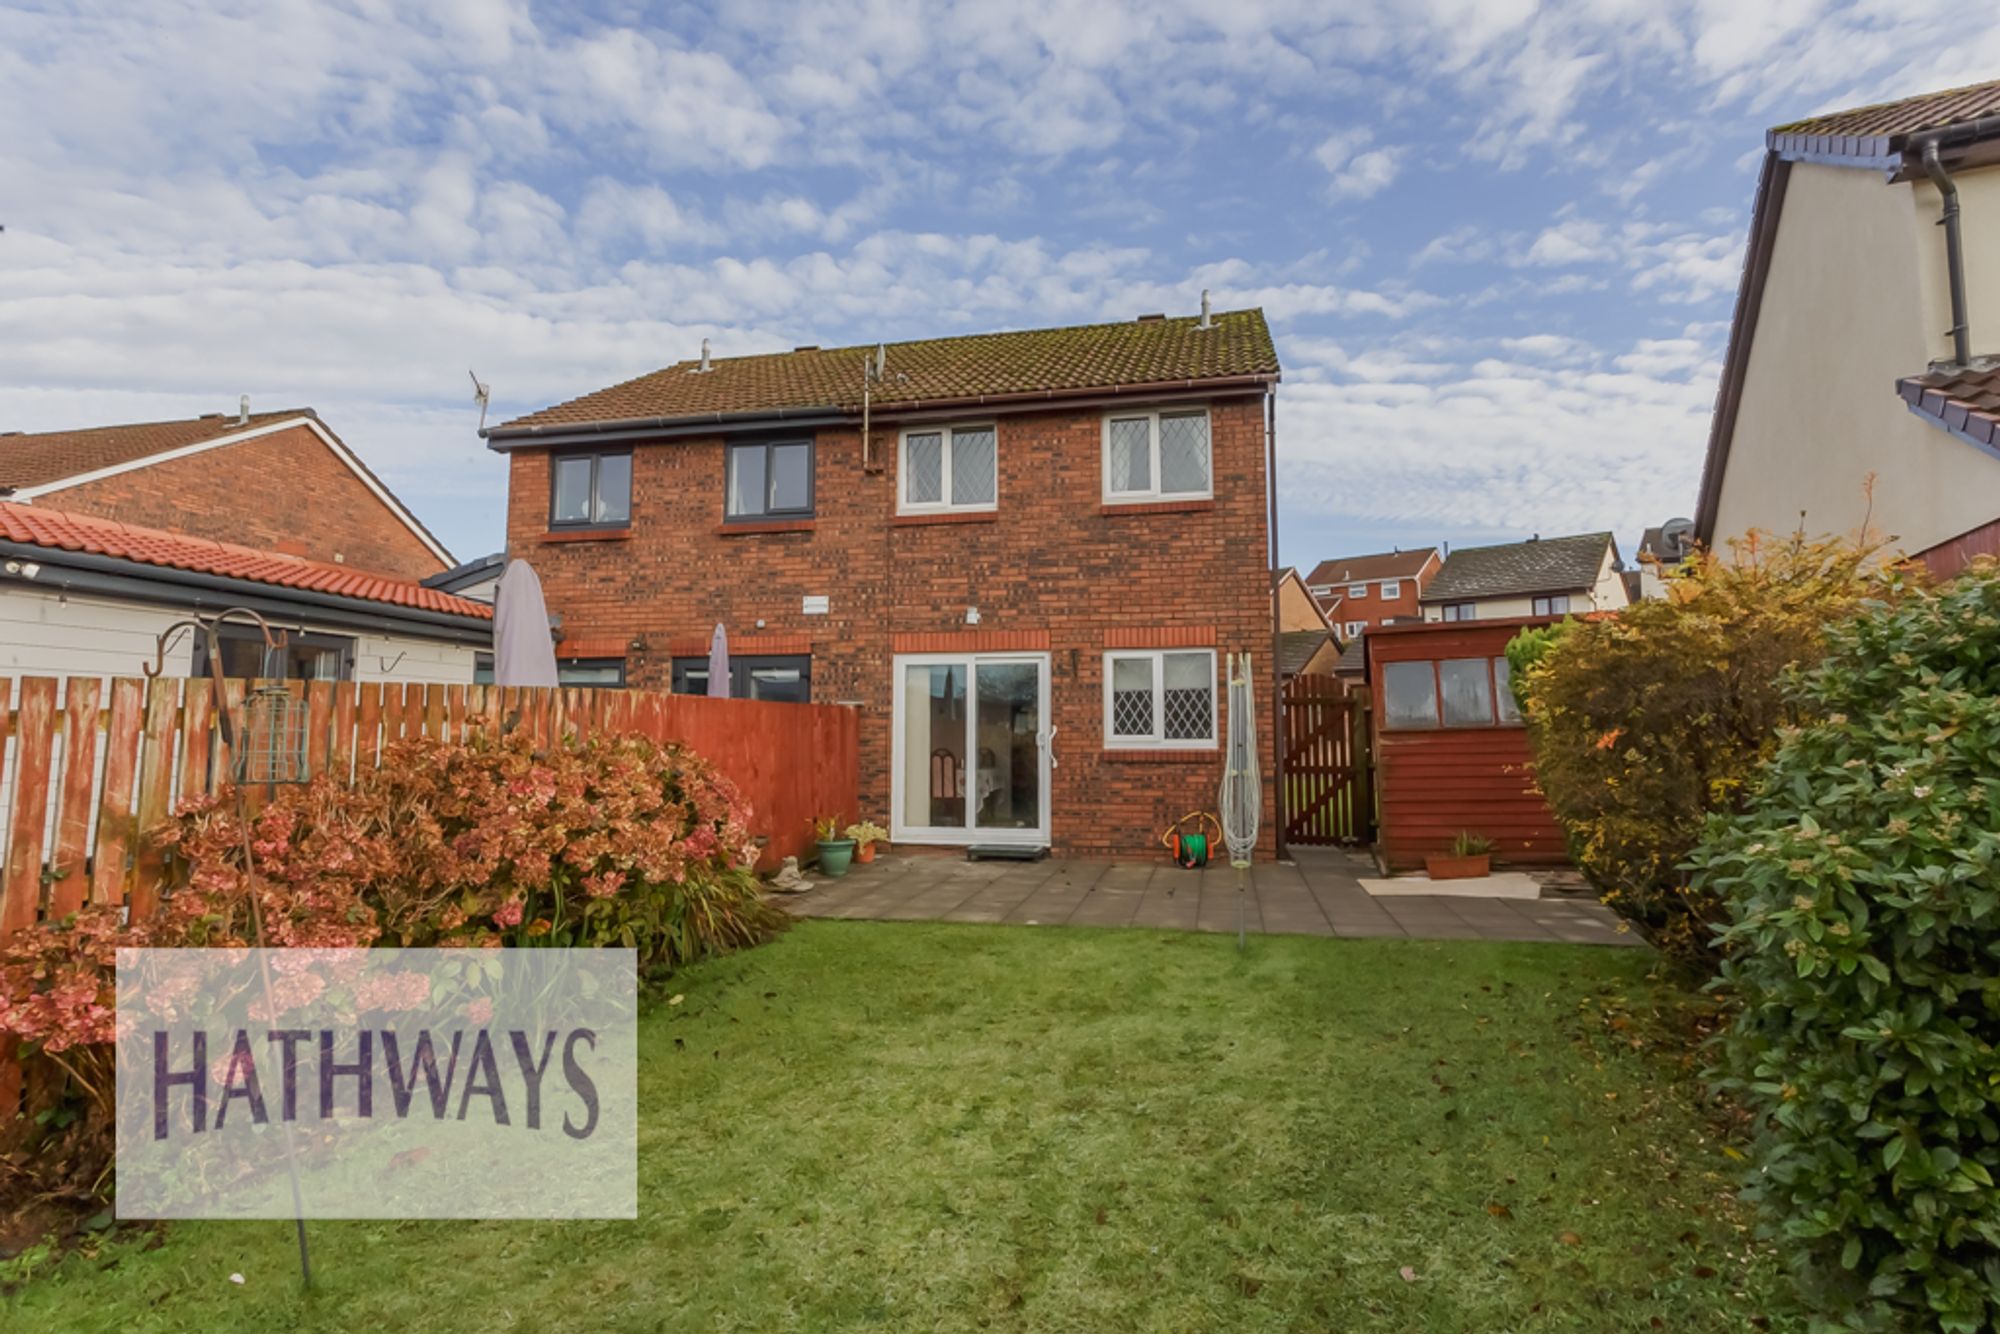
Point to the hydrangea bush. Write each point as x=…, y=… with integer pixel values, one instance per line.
x=1862, y=882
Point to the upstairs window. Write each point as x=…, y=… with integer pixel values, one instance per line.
x=1392, y=588
x=1159, y=699
x=1552, y=606
x=1461, y=611
x=770, y=479
x=591, y=491
x=1357, y=591
x=1353, y=628
x=1156, y=456
x=951, y=468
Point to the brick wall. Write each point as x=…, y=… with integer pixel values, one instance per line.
x=1376, y=609
x=1053, y=570
x=286, y=491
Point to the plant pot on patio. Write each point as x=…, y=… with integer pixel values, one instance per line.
x=1470, y=858
x=834, y=856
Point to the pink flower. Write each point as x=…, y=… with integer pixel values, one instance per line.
x=510, y=913
x=480, y=1011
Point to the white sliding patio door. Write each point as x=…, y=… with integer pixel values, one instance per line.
x=971, y=749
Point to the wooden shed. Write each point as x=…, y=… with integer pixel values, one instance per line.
x=1451, y=754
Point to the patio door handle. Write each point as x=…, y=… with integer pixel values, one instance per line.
x=1047, y=741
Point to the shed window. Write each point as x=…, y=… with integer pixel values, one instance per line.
x=1455, y=692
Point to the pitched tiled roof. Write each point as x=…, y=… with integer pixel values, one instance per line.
x=1353, y=657
x=1886, y=127
x=1964, y=400
x=1029, y=363
x=33, y=525
x=1296, y=649
x=1515, y=569
x=1362, y=569
x=50, y=456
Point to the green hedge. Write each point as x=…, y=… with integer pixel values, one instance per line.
x=1863, y=949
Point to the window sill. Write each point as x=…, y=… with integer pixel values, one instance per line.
x=1160, y=755
x=587, y=535
x=1116, y=509
x=945, y=516
x=747, y=527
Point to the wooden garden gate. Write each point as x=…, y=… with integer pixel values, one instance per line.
x=1328, y=787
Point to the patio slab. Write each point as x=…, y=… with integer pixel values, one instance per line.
x=1319, y=893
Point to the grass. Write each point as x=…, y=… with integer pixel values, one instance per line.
x=930, y=1126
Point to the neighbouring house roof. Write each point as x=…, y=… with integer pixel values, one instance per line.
x=1363, y=569
x=457, y=579
x=1963, y=400
x=1874, y=137
x=1297, y=647
x=1145, y=354
x=1516, y=569
x=55, y=532
x=1353, y=657
x=43, y=462
x=51, y=456
x=1883, y=130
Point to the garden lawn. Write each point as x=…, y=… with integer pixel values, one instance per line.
x=921, y=1126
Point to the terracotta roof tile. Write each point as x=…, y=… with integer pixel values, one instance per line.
x=49, y=456
x=33, y=525
x=1964, y=399
x=1515, y=569
x=1882, y=128
x=1363, y=569
x=1033, y=361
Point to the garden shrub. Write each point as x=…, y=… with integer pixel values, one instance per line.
x=1863, y=886
x=1645, y=722
x=613, y=841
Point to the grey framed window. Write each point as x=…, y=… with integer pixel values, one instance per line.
x=1552, y=606
x=782, y=677
x=608, y=672
x=769, y=479
x=303, y=657
x=590, y=490
x=1461, y=611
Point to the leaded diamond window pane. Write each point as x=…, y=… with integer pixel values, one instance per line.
x=1132, y=697
x=1189, y=703
x=972, y=468
x=1184, y=453
x=1131, y=454
x=923, y=456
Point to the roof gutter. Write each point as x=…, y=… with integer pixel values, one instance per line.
x=84, y=573
x=706, y=423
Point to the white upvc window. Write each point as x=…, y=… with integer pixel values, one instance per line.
x=1392, y=588
x=1160, y=697
x=942, y=468
x=1161, y=455
x=1353, y=628
x=1357, y=591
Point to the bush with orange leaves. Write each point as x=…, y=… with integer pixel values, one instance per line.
x=1647, y=722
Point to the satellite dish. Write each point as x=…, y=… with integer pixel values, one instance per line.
x=1675, y=535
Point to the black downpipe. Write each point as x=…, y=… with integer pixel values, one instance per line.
x=1954, y=252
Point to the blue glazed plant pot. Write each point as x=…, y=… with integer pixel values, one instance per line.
x=835, y=855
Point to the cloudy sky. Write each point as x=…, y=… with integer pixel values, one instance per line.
x=1498, y=241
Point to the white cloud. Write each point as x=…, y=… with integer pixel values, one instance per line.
x=1356, y=172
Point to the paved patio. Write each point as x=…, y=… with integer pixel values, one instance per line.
x=1318, y=894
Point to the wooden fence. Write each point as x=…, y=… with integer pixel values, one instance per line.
x=1327, y=788
x=87, y=766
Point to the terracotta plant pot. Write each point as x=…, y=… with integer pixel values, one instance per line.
x=1444, y=866
x=834, y=856
x=865, y=853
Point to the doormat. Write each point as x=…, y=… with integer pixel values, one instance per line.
x=1501, y=885
x=1003, y=853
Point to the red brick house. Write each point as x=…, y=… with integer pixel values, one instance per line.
x=280, y=481
x=1022, y=557
x=1358, y=593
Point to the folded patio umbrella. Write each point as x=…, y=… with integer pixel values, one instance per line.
x=718, y=664
x=524, y=653
x=1241, y=801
